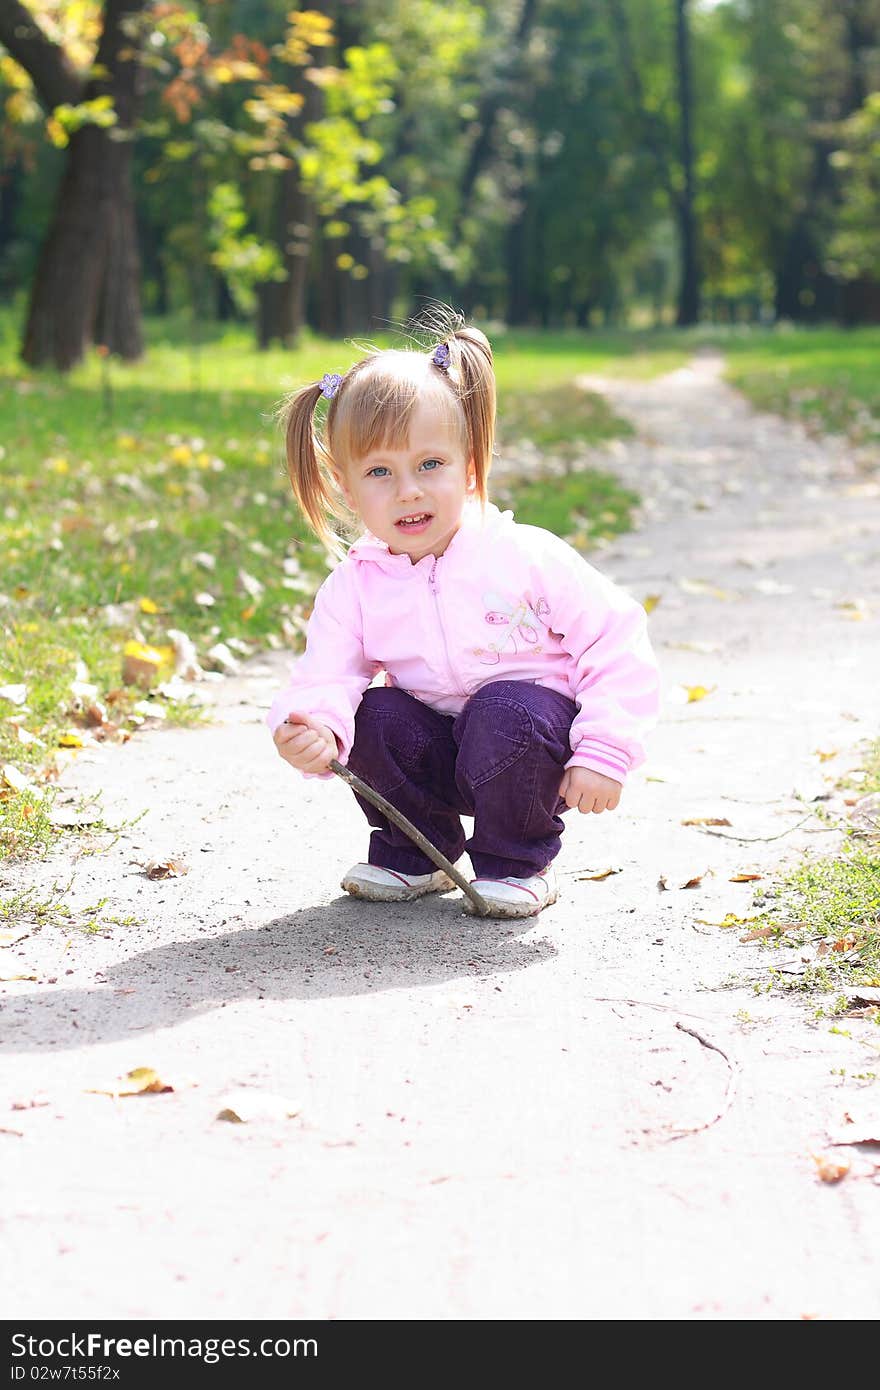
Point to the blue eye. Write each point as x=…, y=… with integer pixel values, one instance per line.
x=377, y=471
x=432, y=463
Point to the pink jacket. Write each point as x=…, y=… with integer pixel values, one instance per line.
x=503, y=602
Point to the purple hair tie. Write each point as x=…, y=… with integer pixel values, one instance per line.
x=440, y=356
x=330, y=384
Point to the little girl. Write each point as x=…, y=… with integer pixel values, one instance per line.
x=516, y=681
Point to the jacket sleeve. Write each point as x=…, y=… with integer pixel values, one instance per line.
x=616, y=677
x=329, y=679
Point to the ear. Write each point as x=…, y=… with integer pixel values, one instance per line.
x=339, y=479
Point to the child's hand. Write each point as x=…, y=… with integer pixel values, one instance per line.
x=589, y=791
x=306, y=744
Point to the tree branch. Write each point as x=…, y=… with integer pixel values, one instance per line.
x=55, y=78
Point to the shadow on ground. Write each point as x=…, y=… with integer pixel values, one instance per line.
x=342, y=949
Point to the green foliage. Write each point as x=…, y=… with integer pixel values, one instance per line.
x=243, y=258
x=854, y=249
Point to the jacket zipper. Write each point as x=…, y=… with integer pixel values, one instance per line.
x=432, y=581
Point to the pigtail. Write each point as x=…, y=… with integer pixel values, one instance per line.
x=308, y=466
x=472, y=372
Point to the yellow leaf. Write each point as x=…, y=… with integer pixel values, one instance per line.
x=70, y=741
x=707, y=820
x=143, y=1080
x=823, y=756
x=744, y=878
x=649, y=603
x=700, y=586
x=698, y=692
x=597, y=878
x=829, y=1169
x=11, y=776
x=729, y=919
x=141, y=664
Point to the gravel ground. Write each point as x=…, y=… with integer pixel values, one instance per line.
x=590, y=1115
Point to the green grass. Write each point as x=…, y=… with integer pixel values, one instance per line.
x=827, y=378
x=132, y=492
x=832, y=905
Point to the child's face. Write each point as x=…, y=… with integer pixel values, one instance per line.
x=412, y=498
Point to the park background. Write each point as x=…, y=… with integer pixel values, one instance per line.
x=204, y=205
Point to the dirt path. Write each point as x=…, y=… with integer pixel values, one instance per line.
x=491, y=1117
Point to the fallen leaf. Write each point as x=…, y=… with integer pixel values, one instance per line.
x=828, y=1169
x=729, y=919
x=597, y=878
x=662, y=884
x=166, y=868
x=704, y=648
x=707, y=820
x=8, y=978
x=744, y=878
x=693, y=882
x=844, y=943
x=855, y=609
x=142, y=1081
x=141, y=664
x=244, y=1106
x=69, y=741
x=649, y=603
x=823, y=756
x=15, y=779
x=758, y=932
x=698, y=692
x=701, y=586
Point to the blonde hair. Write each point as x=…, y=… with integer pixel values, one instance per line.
x=372, y=408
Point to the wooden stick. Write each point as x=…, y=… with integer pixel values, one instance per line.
x=679, y=1131
x=415, y=835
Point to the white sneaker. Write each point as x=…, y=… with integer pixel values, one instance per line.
x=390, y=885
x=516, y=897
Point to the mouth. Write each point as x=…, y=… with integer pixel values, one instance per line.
x=414, y=523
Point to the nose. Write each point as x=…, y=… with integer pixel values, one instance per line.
x=409, y=487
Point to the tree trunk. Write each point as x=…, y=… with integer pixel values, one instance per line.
x=87, y=284
x=11, y=184
x=689, y=288
x=517, y=262
x=281, y=304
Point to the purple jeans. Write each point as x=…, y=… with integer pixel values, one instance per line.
x=500, y=760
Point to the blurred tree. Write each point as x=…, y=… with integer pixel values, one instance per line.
x=87, y=279
x=656, y=70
